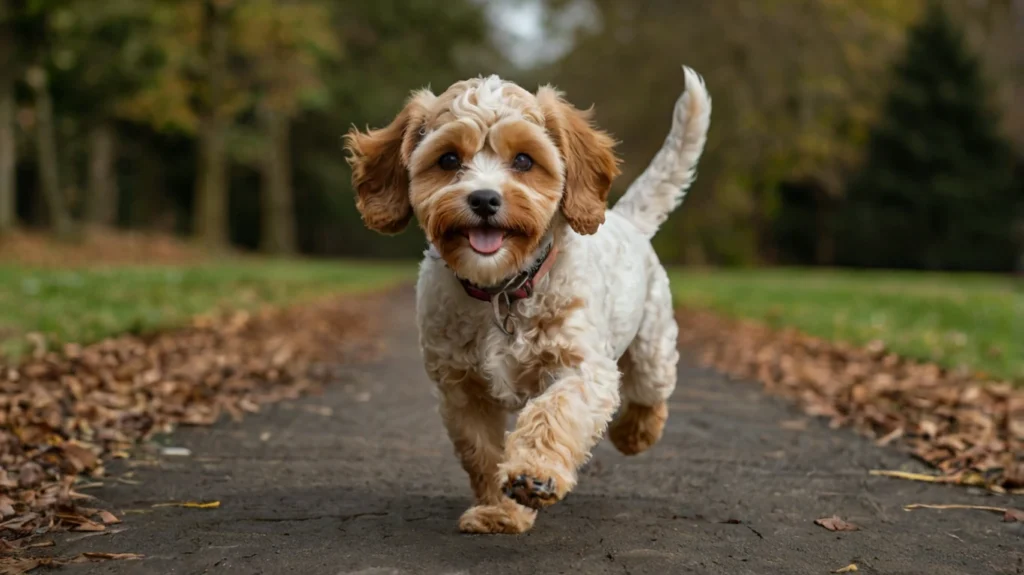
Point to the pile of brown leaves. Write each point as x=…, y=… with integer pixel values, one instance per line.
x=63, y=414
x=971, y=430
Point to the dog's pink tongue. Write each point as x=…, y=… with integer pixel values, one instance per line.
x=486, y=240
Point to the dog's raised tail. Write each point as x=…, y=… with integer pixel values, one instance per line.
x=661, y=188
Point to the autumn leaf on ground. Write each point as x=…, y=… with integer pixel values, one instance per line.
x=191, y=504
x=834, y=523
x=848, y=569
x=913, y=506
x=15, y=566
x=907, y=475
x=91, y=555
x=107, y=517
x=78, y=457
x=794, y=425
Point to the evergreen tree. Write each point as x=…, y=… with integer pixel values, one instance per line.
x=936, y=190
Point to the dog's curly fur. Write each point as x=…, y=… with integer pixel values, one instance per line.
x=597, y=335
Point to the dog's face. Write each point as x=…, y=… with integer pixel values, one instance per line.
x=488, y=169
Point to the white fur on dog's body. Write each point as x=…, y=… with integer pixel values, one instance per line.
x=613, y=293
x=460, y=332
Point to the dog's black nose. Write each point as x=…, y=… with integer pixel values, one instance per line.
x=485, y=203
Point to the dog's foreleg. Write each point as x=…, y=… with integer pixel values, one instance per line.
x=476, y=427
x=556, y=431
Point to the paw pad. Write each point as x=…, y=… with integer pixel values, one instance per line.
x=532, y=492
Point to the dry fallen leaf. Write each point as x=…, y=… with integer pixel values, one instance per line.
x=111, y=556
x=794, y=424
x=834, y=523
x=15, y=566
x=908, y=476
x=1013, y=516
x=6, y=507
x=78, y=458
x=191, y=504
x=89, y=526
x=107, y=517
x=848, y=569
x=955, y=506
x=31, y=474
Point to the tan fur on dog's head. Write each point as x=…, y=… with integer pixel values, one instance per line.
x=591, y=164
x=488, y=124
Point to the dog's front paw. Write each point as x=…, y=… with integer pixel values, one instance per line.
x=507, y=517
x=535, y=487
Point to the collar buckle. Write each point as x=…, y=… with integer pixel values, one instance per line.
x=504, y=296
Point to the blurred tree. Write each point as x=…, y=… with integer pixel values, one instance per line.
x=194, y=92
x=389, y=47
x=220, y=98
x=8, y=152
x=47, y=161
x=994, y=29
x=101, y=54
x=35, y=33
x=285, y=45
x=936, y=191
x=191, y=98
x=795, y=113
x=211, y=205
x=320, y=65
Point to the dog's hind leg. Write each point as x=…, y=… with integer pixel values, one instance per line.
x=648, y=372
x=476, y=427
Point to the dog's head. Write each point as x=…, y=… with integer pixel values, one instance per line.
x=488, y=169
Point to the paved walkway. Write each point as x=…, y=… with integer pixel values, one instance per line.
x=363, y=480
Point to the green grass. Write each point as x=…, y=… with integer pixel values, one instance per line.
x=971, y=321
x=84, y=305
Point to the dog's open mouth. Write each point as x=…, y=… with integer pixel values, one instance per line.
x=485, y=240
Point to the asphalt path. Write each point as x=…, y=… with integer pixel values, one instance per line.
x=362, y=479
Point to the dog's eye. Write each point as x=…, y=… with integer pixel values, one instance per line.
x=522, y=163
x=449, y=162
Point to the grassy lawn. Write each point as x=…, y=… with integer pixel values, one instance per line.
x=84, y=305
x=974, y=321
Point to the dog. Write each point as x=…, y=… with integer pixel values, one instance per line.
x=533, y=298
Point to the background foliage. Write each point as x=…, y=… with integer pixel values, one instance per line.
x=852, y=132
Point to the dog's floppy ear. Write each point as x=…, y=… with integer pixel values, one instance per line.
x=380, y=166
x=590, y=161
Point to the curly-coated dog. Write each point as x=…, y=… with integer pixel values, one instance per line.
x=533, y=298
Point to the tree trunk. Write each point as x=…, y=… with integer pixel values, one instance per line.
x=8, y=152
x=825, y=242
x=152, y=209
x=101, y=207
x=211, y=206
x=8, y=157
x=46, y=155
x=278, y=211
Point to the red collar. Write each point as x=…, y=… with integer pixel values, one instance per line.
x=519, y=286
